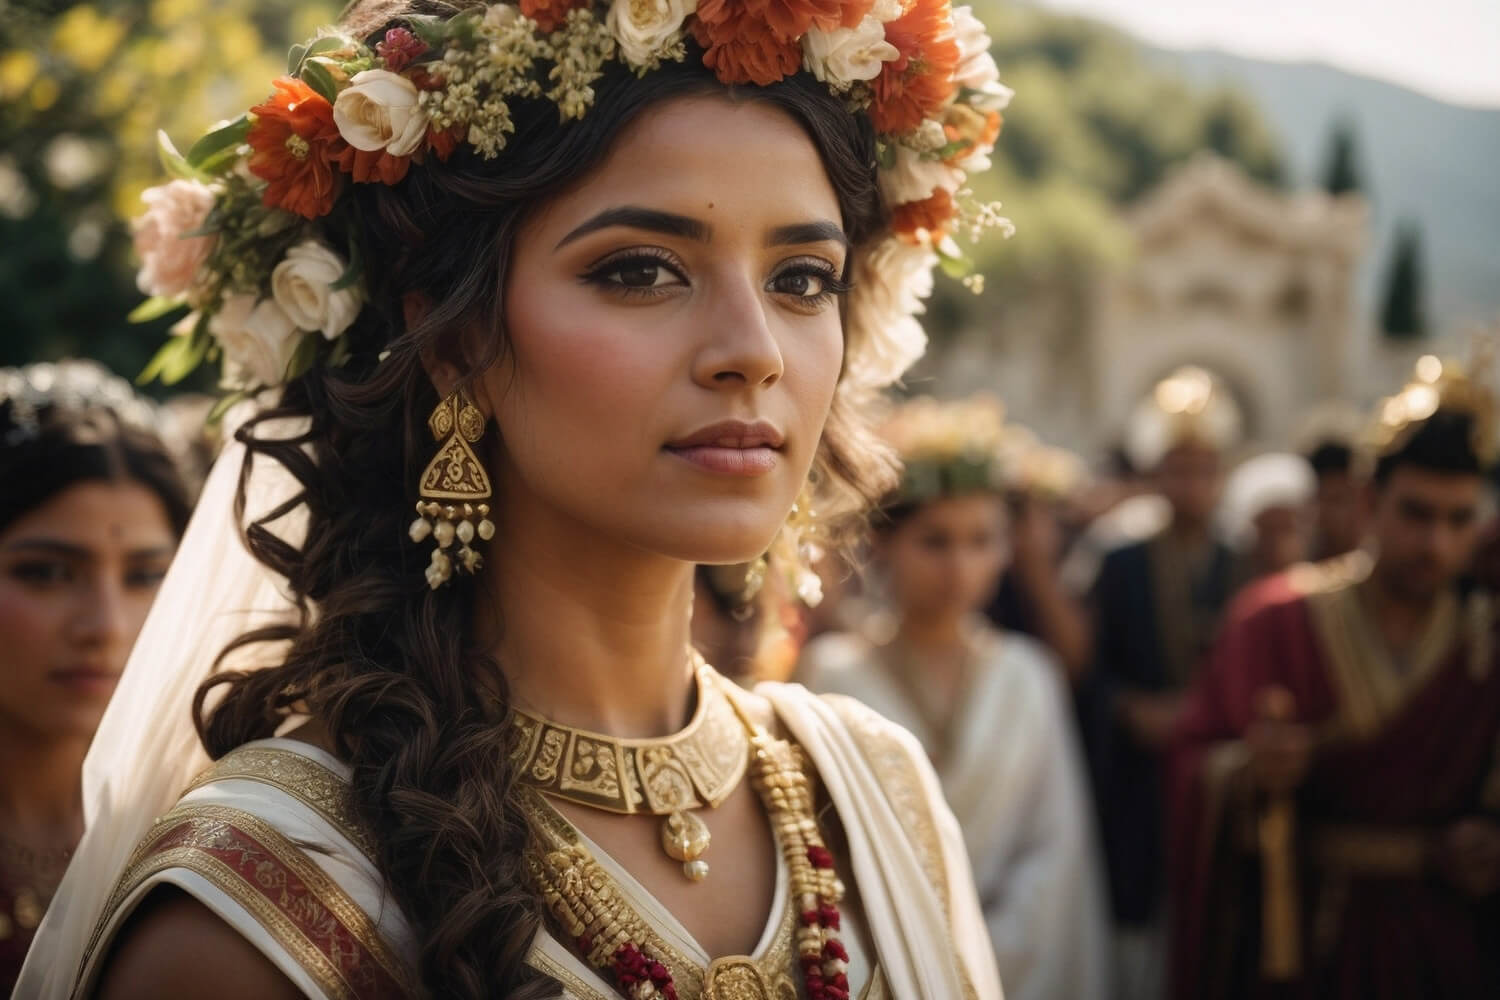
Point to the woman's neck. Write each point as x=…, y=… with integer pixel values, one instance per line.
x=943, y=633
x=41, y=791
x=588, y=633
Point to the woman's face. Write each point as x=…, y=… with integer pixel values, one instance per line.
x=77, y=576
x=675, y=334
x=945, y=558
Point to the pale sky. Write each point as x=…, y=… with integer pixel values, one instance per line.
x=1448, y=49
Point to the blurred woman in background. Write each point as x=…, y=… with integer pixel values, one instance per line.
x=90, y=512
x=989, y=706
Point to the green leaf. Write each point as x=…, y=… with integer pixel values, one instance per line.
x=161, y=359
x=218, y=140
x=351, y=273
x=951, y=150
x=885, y=154
x=316, y=76
x=155, y=307
x=304, y=356
x=172, y=161
x=340, y=354
x=223, y=406
x=181, y=364
x=294, y=58
x=328, y=43
x=955, y=265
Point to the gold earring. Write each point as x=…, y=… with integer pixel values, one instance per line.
x=454, y=489
x=797, y=549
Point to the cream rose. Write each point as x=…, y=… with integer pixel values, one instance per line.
x=976, y=67
x=845, y=55
x=889, y=285
x=643, y=28
x=170, y=260
x=914, y=177
x=302, y=285
x=258, y=340
x=379, y=110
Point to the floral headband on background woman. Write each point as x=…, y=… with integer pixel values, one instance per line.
x=247, y=237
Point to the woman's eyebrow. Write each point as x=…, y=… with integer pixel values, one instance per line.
x=808, y=232
x=635, y=217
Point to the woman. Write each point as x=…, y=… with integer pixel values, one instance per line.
x=569, y=280
x=90, y=513
x=989, y=706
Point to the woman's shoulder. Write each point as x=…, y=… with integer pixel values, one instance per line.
x=267, y=841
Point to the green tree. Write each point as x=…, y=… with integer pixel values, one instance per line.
x=84, y=88
x=1403, y=314
x=1342, y=174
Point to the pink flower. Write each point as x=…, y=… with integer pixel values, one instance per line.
x=400, y=48
x=170, y=260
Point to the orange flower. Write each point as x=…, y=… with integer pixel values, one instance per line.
x=550, y=14
x=790, y=19
x=975, y=129
x=912, y=87
x=932, y=214
x=741, y=47
x=296, y=147
x=368, y=165
x=444, y=143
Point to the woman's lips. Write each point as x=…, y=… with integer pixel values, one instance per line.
x=85, y=681
x=753, y=461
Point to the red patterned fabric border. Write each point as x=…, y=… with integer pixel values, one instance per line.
x=273, y=882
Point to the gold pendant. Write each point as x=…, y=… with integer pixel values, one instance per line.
x=685, y=837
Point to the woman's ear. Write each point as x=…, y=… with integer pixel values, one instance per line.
x=444, y=370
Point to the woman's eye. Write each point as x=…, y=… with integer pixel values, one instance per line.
x=640, y=274
x=801, y=284
x=42, y=574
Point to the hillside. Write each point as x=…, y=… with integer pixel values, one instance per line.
x=1419, y=158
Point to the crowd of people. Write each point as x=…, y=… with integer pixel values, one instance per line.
x=580, y=606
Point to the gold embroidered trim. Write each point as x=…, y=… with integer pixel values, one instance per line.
x=1372, y=690
x=564, y=977
x=210, y=827
x=303, y=778
x=739, y=977
x=898, y=777
x=694, y=768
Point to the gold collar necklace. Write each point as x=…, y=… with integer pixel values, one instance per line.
x=669, y=776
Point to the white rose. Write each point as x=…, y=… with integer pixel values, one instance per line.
x=976, y=67
x=844, y=55
x=501, y=15
x=258, y=341
x=643, y=28
x=915, y=177
x=885, y=338
x=170, y=260
x=886, y=11
x=302, y=285
x=379, y=110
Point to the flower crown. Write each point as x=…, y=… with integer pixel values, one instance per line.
x=949, y=448
x=242, y=236
x=72, y=385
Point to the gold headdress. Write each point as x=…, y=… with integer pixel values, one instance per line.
x=1437, y=385
x=1190, y=405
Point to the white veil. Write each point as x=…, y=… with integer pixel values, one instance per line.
x=146, y=749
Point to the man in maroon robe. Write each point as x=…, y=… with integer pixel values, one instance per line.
x=1335, y=784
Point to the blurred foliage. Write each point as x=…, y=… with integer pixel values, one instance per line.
x=86, y=86
x=1403, y=312
x=83, y=90
x=1094, y=125
x=1342, y=174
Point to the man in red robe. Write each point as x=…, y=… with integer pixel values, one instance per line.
x=1335, y=784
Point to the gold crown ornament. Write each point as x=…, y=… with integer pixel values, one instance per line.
x=1437, y=384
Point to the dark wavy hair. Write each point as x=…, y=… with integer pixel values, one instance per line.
x=1443, y=443
x=389, y=667
x=64, y=444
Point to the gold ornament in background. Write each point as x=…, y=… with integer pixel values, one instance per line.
x=453, y=491
x=1437, y=384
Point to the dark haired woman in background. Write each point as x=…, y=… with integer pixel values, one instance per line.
x=561, y=300
x=91, y=507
